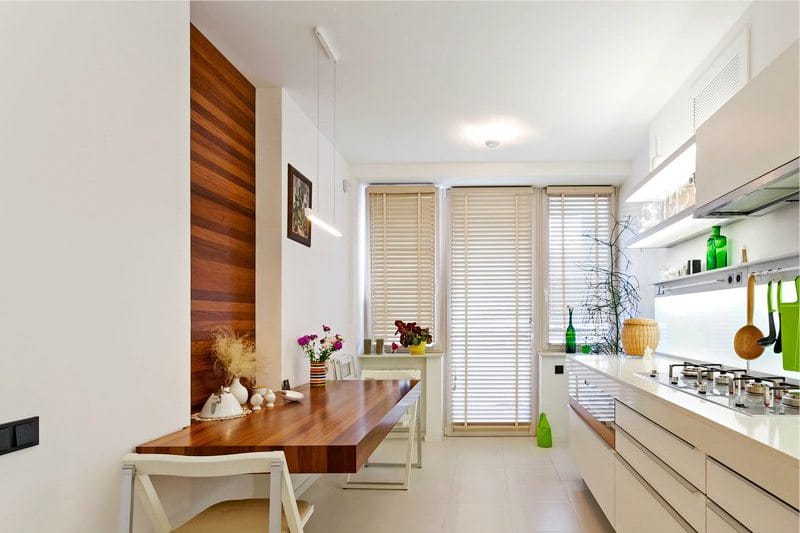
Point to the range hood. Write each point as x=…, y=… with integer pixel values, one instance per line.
x=766, y=193
x=747, y=152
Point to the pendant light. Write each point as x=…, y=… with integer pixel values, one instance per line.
x=310, y=214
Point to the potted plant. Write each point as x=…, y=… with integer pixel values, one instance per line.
x=235, y=357
x=612, y=293
x=319, y=350
x=413, y=336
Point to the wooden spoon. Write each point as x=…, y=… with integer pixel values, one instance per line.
x=745, y=342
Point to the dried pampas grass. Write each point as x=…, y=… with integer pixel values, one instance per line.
x=235, y=354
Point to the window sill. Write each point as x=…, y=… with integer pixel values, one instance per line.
x=401, y=355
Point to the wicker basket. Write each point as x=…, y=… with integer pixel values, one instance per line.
x=638, y=334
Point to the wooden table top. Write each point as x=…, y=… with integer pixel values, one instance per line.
x=334, y=429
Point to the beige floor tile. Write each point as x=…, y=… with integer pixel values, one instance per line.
x=478, y=517
x=479, y=491
x=544, y=516
x=536, y=491
x=467, y=485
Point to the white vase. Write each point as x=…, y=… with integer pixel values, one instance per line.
x=269, y=397
x=239, y=391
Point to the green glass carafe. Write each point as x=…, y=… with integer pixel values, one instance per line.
x=711, y=253
x=720, y=248
x=571, y=345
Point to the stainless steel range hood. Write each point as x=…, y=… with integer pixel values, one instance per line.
x=775, y=189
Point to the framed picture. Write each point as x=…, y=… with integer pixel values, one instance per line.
x=298, y=227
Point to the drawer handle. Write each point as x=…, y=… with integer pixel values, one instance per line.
x=725, y=517
x=743, y=479
x=660, y=462
x=667, y=507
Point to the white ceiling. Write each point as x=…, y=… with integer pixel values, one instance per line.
x=584, y=78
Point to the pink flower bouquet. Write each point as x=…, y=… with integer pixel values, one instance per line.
x=319, y=349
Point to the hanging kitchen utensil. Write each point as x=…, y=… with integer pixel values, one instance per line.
x=778, y=348
x=770, y=338
x=790, y=329
x=745, y=342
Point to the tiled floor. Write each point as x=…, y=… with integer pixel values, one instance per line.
x=469, y=485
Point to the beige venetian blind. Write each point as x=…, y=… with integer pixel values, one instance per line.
x=402, y=258
x=491, y=307
x=573, y=215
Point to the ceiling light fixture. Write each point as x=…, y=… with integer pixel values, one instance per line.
x=318, y=222
x=310, y=214
x=495, y=132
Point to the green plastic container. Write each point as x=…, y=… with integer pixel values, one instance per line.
x=544, y=436
x=790, y=331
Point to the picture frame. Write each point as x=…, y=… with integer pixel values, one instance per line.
x=298, y=227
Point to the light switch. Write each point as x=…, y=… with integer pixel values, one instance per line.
x=19, y=434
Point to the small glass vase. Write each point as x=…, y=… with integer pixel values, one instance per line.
x=570, y=344
x=319, y=373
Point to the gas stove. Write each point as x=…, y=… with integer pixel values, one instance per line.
x=734, y=388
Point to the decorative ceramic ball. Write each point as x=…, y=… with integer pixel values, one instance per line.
x=256, y=400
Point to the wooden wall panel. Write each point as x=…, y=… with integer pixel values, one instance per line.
x=223, y=174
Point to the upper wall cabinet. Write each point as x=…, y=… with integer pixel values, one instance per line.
x=747, y=151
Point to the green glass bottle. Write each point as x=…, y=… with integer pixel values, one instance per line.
x=571, y=345
x=720, y=248
x=711, y=252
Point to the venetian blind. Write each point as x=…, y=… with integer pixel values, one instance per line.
x=402, y=258
x=574, y=214
x=491, y=306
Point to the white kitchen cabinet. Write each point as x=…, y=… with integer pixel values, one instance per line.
x=687, y=500
x=595, y=461
x=640, y=507
x=754, y=507
x=755, y=132
x=679, y=454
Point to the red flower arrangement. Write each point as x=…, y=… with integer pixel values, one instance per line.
x=411, y=334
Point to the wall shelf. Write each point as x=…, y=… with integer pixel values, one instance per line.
x=677, y=228
x=784, y=267
x=676, y=170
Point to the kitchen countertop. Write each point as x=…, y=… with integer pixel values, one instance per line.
x=781, y=433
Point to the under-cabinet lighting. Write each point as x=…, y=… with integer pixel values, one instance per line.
x=667, y=177
x=680, y=228
x=318, y=222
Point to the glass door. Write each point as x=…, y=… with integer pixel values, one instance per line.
x=490, y=363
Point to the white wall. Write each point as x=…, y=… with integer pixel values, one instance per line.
x=316, y=280
x=94, y=221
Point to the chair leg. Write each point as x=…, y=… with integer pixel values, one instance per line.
x=393, y=485
x=275, y=473
x=126, y=500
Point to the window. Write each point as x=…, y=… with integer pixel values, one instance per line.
x=573, y=215
x=491, y=307
x=402, y=225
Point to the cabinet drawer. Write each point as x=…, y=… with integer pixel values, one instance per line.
x=718, y=521
x=678, y=492
x=748, y=503
x=640, y=507
x=682, y=456
x=595, y=462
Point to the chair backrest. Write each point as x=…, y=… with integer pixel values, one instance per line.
x=273, y=463
x=344, y=367
x=398, y=373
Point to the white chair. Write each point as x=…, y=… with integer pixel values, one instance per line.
x=344, y=367
x=409, y=424
x=273, y=515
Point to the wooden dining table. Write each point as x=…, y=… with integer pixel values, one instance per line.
x=333, y=429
